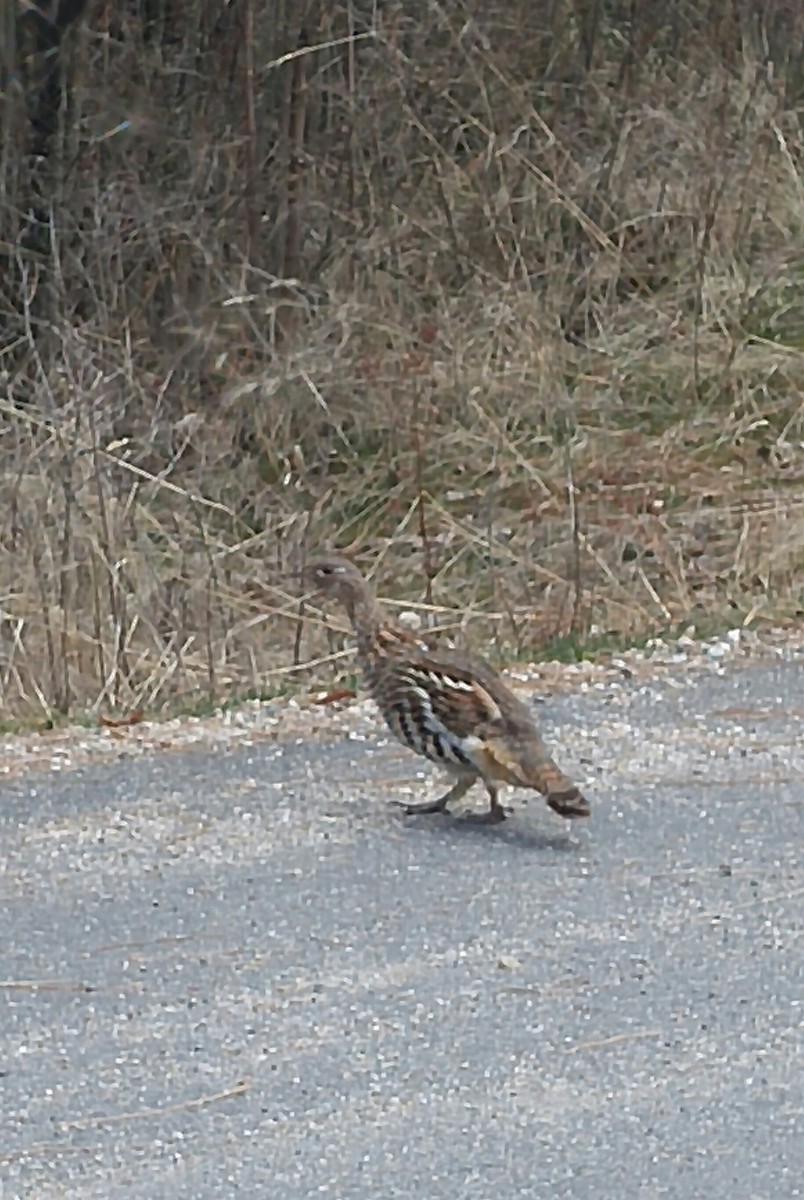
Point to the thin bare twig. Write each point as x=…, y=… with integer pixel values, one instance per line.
x=144, y=1114
x=614, y=1040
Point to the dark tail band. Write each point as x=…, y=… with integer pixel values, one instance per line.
x=570, y=803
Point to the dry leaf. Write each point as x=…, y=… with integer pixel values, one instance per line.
x=335, y=696
x=133, y=718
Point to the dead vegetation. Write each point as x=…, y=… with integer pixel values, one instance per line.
x=506, y=297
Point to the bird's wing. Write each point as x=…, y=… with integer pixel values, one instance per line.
x=441, y=684
x=458, y=701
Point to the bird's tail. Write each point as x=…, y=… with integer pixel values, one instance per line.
x=558, y=789
x=528, y=763
x=569, y=803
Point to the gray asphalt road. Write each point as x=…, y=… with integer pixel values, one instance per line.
x=246, y=974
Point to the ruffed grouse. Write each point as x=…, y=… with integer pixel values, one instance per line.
x=453, y=709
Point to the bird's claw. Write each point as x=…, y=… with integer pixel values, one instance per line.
x=417, y=810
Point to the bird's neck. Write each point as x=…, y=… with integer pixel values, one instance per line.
x=367, y=618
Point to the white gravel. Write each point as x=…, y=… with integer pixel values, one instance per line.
x=309, y=716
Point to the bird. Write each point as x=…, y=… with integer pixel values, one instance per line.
x=450, y=707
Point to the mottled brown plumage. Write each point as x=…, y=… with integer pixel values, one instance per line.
x=453, y=709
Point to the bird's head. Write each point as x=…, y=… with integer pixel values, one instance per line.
x=334, y=576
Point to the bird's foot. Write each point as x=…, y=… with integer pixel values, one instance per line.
x=413, y=810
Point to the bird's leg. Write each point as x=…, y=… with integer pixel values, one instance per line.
x=440, y=805
x=495, y=812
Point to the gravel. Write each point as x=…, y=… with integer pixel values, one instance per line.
x=231, y=966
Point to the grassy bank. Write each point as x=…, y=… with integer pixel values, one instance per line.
x=538, y=365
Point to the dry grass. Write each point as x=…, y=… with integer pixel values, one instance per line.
x=544, y=372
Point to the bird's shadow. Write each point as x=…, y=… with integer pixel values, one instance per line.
x=514, y=831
